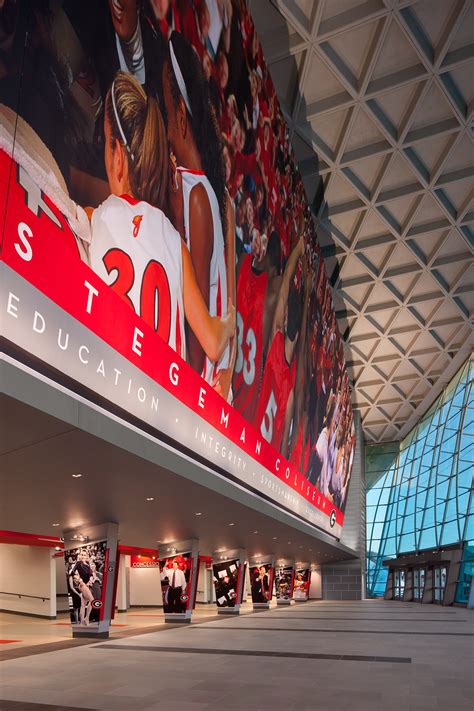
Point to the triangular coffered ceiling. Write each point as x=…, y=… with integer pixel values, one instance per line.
x=379, y=99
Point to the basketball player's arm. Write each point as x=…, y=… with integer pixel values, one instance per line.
x=271, y=299
x=212, y=332
x=290, y=406
x=202, y=242
x=279, y=315
x=305, y=436
x=71, y=584
x=175, y=200
x=301, y=362
x=224, y=377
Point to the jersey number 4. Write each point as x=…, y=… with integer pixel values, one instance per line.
x=155, y=297
x=245, y=360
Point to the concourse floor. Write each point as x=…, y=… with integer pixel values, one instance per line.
x=314, y=656
x=19, y=632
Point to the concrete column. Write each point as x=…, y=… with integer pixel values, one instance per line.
x=52, y=585
x=315, y=592
x=106, y=536
x=428, y=591
x=186, y=548
x=408, y=592
x=452, y=576
x=388, y=595
x=233, y=555
x=123, y=584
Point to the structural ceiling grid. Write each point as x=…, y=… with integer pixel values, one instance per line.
x=379, y=99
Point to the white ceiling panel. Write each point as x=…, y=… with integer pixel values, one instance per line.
x=380, y=99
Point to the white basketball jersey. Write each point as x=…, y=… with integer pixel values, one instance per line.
x=137, y=251
x=217, y=268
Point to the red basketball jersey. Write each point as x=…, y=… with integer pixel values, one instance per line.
x=295, y=457
x=251, y=287
x=278, y=382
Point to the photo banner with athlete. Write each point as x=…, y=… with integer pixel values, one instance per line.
x=261, y=583
x=284, y=583
x=175, y=574
x=86, y=577
x=302, y=583
x=158, y=251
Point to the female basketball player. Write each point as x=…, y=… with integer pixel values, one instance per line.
x=199, y=197
x=82, y=572
x=134, y=246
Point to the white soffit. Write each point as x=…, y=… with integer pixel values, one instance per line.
x=379, y=99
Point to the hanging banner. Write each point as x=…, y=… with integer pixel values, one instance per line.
x=261, y=583
x=284, y=581
x=228, y=583
x=86, y=574
x=302, y=583
x=176, y=583
x=91, y=566
x=158, y=249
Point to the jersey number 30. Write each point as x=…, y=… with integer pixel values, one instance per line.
x=155, y=297
x=245, y=361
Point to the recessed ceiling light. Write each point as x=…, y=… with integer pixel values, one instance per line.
x=255, y=531
x=274, y=538
x=56, y=524
x=76, y=476
x=289, y=543
x=150, y=498
x=231, y=524
x=198, y=513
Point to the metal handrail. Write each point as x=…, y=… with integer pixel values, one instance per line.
x=20, y=595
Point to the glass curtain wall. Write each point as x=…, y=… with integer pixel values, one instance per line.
x=420, y=490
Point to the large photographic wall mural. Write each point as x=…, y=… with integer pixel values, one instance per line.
x=157, y=244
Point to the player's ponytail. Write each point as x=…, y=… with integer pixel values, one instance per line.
x=152, y=167
x=136, y=122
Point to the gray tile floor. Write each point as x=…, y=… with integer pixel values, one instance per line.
x=350, y=656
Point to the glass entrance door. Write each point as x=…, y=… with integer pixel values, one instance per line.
x=418, y=584
x=439, y=580
x=398, y=584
